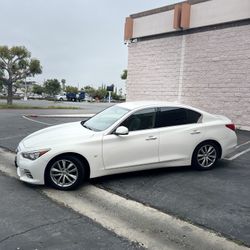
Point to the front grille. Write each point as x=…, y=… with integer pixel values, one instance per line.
x=27, y=173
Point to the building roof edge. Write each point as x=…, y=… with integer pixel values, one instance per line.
x=164, y=8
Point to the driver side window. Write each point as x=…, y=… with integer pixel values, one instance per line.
x=140, y=120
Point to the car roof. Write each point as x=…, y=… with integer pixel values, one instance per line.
x=145, y=104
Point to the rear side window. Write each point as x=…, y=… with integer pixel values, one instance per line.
x=173, y=116
x=192, y=116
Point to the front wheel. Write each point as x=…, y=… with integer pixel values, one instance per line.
x=65, y=173
x=205, y=156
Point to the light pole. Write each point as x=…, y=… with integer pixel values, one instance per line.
x=109, y=96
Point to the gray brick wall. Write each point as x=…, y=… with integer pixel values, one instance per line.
x=216, y=73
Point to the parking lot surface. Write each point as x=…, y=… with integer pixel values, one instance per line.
x=216, y=199
x=42, y=224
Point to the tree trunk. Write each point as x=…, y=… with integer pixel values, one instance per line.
x=10, y=93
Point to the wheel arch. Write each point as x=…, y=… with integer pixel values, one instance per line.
x=213, y=141
x=79, y=156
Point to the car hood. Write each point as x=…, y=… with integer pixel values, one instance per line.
x=59, y=134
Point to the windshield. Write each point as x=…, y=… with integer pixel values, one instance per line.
x=105, y=119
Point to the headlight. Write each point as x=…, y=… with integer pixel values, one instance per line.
x=33, y=155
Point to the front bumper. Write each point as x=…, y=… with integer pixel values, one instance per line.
x=30, y=171
x=22, y=173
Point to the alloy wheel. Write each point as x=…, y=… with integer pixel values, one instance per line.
x=206, y=156
x=64, y=173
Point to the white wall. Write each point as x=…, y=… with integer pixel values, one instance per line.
x=153, y=24
x=202, y=14
x=219, y=11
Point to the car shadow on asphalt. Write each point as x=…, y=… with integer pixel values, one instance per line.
x=142, y=174
x=157, y=172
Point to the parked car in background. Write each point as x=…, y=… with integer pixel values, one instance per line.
x=34, y=96
x=106, y=99
x=126, y=137
x=88, y=98
x=61, y=97
x=75, y=97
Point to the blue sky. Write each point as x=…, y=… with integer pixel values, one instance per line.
x=79, y=40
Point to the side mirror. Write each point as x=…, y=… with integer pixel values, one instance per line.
x=121, y=131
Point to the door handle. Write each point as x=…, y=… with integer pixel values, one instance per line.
x=151, y=138
x=195, y=132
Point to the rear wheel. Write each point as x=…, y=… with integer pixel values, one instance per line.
x=205, y=156
x=65, y=173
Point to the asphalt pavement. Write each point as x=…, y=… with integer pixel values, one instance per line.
x=29, y=220
x=216, y=199
x=13, y=127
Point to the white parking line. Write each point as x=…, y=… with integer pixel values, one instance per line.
x=237, y=155
x=243, y=144
x=29, y=119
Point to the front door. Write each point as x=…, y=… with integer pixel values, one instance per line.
x=139, y=147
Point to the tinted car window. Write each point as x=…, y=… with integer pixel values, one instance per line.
x=172, y=116
x=192, y=116
x=143, y=119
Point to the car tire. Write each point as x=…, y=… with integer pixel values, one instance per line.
x=61, y=99
x=66, y=172
x=205, y=156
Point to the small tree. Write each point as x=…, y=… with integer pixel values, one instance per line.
x=71, y=89
x=90, y=91
x=37, y=89
x=1, y=86
x=1, y=81
x=115, y=96
x=101, y=93
x=16, y=64
x=124, y=74
x=52, y=87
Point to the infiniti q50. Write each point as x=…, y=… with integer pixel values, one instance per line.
x=126, y=137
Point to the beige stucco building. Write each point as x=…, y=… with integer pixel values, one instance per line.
x=196, y=52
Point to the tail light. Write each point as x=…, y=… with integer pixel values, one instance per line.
x=231, y=126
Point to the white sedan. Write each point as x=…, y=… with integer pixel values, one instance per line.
x=126, y=137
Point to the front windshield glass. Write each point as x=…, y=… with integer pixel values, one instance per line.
x=105, y=119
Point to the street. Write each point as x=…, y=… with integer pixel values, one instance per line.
x=216, y=200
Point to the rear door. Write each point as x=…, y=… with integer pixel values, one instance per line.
x=180, y=131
